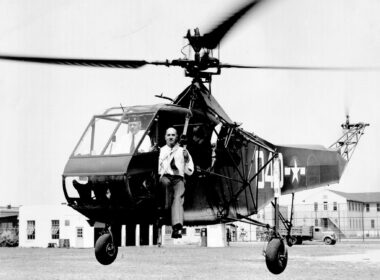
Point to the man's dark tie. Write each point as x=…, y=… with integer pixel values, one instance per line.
x=132, y=147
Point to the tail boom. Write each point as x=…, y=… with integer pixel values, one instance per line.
x=307, y=167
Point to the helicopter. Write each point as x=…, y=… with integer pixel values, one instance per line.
x=235, y=176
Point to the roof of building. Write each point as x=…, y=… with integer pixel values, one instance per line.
x=6, y=211
x=360, y=197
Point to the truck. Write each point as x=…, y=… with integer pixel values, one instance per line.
x=310, y=233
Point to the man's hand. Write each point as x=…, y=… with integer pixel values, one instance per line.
x=186, y=155
x=183, y=140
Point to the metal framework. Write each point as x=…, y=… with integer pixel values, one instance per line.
x=350, y=138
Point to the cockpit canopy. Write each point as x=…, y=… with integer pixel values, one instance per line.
x=117, y=131
x=137, y=129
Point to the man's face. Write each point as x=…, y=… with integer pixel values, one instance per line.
x=171, y=137
x=134, y=126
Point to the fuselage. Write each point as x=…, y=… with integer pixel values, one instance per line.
x=120, y=186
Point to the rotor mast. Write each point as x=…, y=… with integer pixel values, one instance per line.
x=203, y=60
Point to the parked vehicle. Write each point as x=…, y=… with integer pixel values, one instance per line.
x=310, y=233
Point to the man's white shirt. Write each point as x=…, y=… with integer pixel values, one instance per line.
x=123, y=145
x=166, y=156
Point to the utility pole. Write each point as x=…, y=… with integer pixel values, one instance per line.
x=339, y=237
x=363, y=219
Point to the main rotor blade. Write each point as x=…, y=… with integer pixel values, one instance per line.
x=109, y=63
x=312, y=68
x=213, y=38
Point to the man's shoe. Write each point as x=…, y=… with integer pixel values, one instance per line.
x=176, y=234
x=177, y=227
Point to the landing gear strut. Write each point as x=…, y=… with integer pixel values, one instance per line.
x=276, y=254
x=105, y=248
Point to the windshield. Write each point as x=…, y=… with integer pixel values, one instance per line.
x=116, y=134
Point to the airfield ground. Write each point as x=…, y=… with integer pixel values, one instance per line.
x=345, y=260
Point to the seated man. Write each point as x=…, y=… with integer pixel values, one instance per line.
x=127, y=138
x=134, y=135
x=174, y=162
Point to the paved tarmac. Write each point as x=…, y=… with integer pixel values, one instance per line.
x=346, y=260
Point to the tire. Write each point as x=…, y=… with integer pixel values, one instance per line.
x=333, y=242
x=105, y=249
x=276, y=256
x=328, y=241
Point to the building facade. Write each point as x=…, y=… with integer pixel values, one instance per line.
x=349, y=215
x=53, y=226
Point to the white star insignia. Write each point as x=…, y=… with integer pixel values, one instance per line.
x=295, y=170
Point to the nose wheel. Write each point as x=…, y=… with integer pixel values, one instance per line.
x=105, y=249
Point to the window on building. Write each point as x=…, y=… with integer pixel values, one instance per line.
x=378, y=207
x=315, y=206
x=367, y=207
x=55, y=229
x=335, y=206
x=80, y=232
x=184, y=231
x=4, y=226
x=197, y=231
x=324, y=205
x=372, y=223
x=316, y=222
x=31, y=229
x=67, y=223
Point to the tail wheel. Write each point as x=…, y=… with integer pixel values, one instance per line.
x=291, y=240
x=105, y=249
x=276, y=256
x=328, y=241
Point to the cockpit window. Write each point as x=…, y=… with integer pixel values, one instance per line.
x=116, y=134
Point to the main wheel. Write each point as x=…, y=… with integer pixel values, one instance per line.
x=328, y=241
x=276, y=256
x=105, y=249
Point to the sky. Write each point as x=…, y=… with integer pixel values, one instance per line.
x=44, y=108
